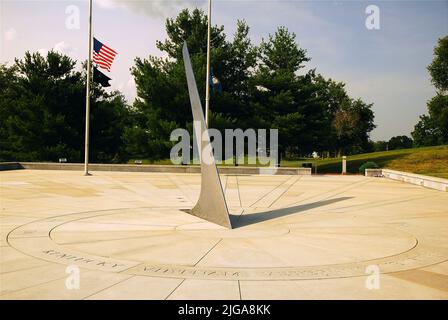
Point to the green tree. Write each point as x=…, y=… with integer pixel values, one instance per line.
x=262, y=87
x=42, y=110
x=380, y=146
x=438, y=69
x=438, y=112
x=163, y=103
x=278, y=99
x=233, y=103
x=190, y=26
x=400, y=142
x=344, y=123
x=432, y=129
x=426, y=132
x=333, y=98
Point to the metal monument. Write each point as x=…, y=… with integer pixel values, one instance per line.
x=211, y=205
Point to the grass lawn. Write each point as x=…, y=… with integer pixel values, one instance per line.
x=432, y=161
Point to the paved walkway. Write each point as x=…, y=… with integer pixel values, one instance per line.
x=295, y=237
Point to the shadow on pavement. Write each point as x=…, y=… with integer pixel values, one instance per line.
x=248, y=219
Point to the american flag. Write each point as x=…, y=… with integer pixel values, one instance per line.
x=103, y=55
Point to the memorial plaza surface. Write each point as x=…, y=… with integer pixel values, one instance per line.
x=293, y=237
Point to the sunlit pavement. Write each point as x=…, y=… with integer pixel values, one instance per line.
x=127, y=236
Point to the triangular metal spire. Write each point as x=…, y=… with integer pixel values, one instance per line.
x=212, y=204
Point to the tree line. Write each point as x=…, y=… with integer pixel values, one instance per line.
x=42, y=107
x=42, y=100
x=262, y=87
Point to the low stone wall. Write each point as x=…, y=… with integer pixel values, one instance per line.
x=154, y=168
x=417, y=179
x=10, y=166
x=373, y=173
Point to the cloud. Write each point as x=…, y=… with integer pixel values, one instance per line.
x=43, y=51
x=10, y=34
x=128, y=89
x=158, y=9
x=61, y=47
x=65, y=48
x=108, y=4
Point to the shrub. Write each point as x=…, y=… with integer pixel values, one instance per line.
x=367, y=165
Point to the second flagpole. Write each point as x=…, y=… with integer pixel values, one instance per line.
x=207, y=76
x=89, y=70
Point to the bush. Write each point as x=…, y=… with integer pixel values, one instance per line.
x=367, y=165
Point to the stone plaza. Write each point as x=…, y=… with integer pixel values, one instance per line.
x=129, y=236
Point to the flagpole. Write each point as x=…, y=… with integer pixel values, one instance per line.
x=89, y=63
x=207, y=76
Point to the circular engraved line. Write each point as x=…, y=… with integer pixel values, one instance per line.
x=11, y=232
x=171, y=228
x=415, y=255
x=304, y=273
x=103, y=213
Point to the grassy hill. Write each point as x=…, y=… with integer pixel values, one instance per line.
x=431, y=161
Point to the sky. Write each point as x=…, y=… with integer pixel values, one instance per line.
x=385, y=66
